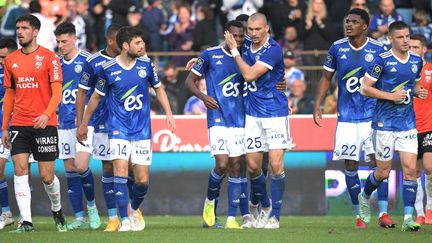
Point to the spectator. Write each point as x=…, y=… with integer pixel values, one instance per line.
x=46, y=37
x=119, y=10
x=422, y=26
x=153, y=19
x=175, y=89
x=233, y=8
x=55, y=10
x=99, y=10
x=330, y=102
x=173, y=19
x=181, y=39
x=83, y=11
x=337, y=9
x=299, y=101
x=80, y=26
x=380, y=21
x=195, y=106
x=361, y=4
x=205, y=33
x=317, y=33
x=285, y=13
x=134, y=18
x=7, y=29
x=291, y=43
x=292, y=73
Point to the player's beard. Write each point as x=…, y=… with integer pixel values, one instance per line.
x=133, y=55
x=25, y=43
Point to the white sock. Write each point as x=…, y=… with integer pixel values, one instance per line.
x=53, y=191
x=407, y=216
x=419, y=198
x=428, y=189
x=23, y=196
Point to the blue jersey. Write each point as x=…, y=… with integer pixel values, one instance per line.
x=72, y=72
x=225, y=84
x=88, y=82
x=350, y=65
x=2, y=92
x=261, y=97
x=391, y=74
x=128, y=100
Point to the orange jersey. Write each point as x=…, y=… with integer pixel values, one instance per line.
x=31, y=75
x=423, y=108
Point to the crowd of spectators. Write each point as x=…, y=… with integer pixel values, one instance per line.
x=193, y=25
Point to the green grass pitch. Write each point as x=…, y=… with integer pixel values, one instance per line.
x=188, y=229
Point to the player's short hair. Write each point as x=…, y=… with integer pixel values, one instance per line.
x=234, y=23
x=420, y=38
x=126, y=34
x=112, y=30
x=242, y=18
x=31, y=19
x=8, y=43
x=362, y=13
x=397, y=25
x=65, y=28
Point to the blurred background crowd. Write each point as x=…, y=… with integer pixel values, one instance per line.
x=176, y=30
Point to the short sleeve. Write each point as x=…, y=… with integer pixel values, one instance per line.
x=201, y=65
x=153, y=77
x=8, y=79
x=54, y=69
x=271, y=57
x=101, y=86
x=375, y=69
x=330, y=63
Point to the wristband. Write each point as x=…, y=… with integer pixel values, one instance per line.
x=234, y=52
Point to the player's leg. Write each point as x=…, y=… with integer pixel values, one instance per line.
x=6, y=218
x=82, y=159
x=384, y=148
x=131, y=180
x=248, y=219
x=426, y=147
x=120, y=152
x=418, y=205
x=101, y=152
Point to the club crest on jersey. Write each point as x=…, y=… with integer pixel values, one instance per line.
x=78, y=68
x=368, y=57
x=39, y=58
x=414, y=68
x=142, y=73
x=38, y=65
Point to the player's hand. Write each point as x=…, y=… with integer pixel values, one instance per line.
x=171, y=123
x=230, y=41
x=41, y=121
x=210, y=103
x=422, y=93
x=317, y=116
x=190, y=64
x=399, y=96
x=82, y=133
x=281, y=85
x=5, y=139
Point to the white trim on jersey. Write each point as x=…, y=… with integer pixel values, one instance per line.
x=265, y=64
x=251, y=49
x=196, y=72
x=157, y=85
x=401, y=61
x=370, y=77
x=83, y=87
x=361, y=47
x=100, y=92
x=328, y=69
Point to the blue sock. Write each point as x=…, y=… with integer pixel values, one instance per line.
x=121, y=195
x=87, y=181
x=108, y=192
x=352, y=181
x=4, y=200
x=213, y=185
x=130, y=184
x=75, y=193
x=244, y=199
x=409, y=196
x=277, y=188
x=139, y=191
x=260, y=191
x=382, y=192
x=371, y=184
x=254, y=199
x=234, y=191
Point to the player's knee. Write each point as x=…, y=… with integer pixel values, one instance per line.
x=222, y=166
x=107, y=168
x=382, y=174
x=81, y=168
x=47, y=178
x=21, y=171
x=351, y=165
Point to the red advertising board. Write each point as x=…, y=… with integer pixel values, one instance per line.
x=192, y=135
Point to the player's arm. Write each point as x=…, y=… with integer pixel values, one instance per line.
x=321, y=93
x=56, y=96
x=8, y=104
x=91, y=107
x=163, y=100
x=367, y=89
x=209, y=101
x=249, y=73
x=80, y=105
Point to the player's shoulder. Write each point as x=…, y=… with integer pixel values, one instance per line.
x=144, y=59
x=386, y=54
x=414, y=55
x=109, y=64
x=213, y=49
x=45, y=52
x=272, y=43
x=84, y=54
x=341, y=42
x=375, y=43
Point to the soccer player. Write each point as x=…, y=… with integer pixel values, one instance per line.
x=33, y=82
x=225, y=119
x=355, y=111
x=423, y=113
x=6, y=46
x=266, y=122
x=99, y=140
x=125, y=81
x=75, y=155
x=392, y=78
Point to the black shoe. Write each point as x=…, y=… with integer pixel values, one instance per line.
x=60, y=221
x=24, y=227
